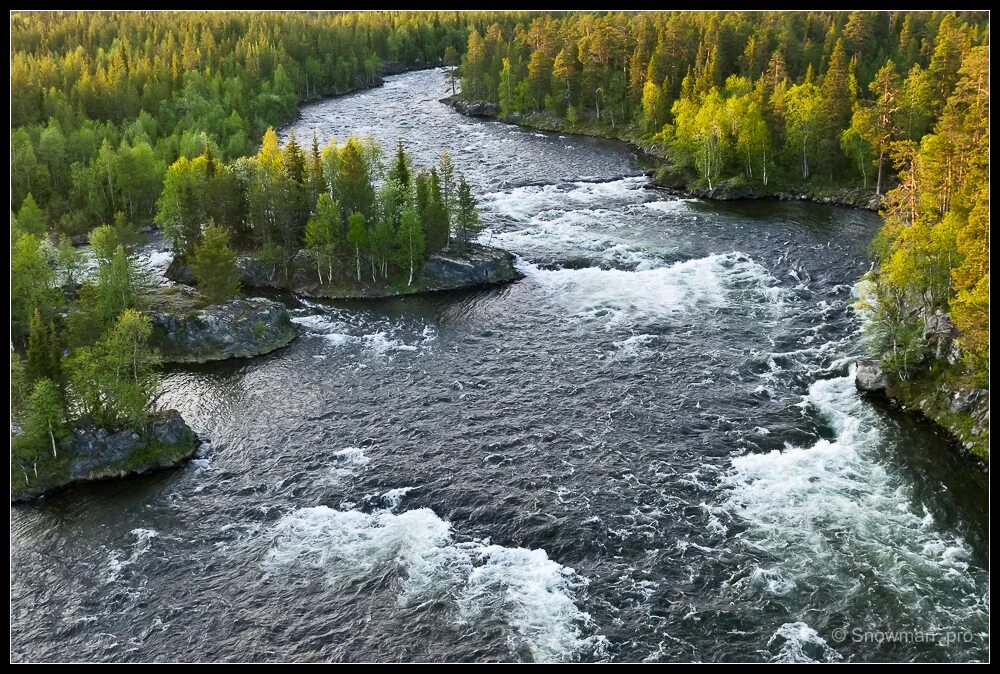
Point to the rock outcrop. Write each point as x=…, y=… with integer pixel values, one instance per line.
x=92, y=453
x=185, y=332
x=869, y=377
x=448, y=270
x=473, y=108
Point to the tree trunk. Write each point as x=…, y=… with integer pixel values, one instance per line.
x=805, y=164
x=878, y=183
x=53, y=438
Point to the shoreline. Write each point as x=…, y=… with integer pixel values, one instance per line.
x=661, y=177
x=660, y=169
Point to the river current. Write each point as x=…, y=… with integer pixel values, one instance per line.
x=648, y=449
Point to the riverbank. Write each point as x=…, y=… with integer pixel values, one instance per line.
x=92, y=454
x=937, y=394
x=386, y=69
x=960, y=412
x=480, y=266
x=661, y=171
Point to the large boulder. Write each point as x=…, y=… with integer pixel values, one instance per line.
x=478, y=266
x=473, y=108
x=940, y=333
x=869, y=377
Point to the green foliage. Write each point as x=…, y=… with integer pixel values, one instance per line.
x=120, y=285
x=70, y=262
x=214, y=266
x=325, y=236
x=408, y=252
x=467, y=222
x=114, y=382
x=45, y=425
x=44, y=351
x=934, y=245
x=101, y=106
x=31, y=219
x=801, y=78
x=32, y=284
x=357, y=237
x=20, y=389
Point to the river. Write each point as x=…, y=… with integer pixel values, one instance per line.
x=648, y=449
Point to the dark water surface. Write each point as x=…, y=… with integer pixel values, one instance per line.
x=650, y=448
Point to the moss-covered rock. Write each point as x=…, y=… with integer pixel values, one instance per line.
x=185, y=331
x=91, y=453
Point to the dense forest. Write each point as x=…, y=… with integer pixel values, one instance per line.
x=896, y=103
x=103, y=103
x=758, y=96
x=347, y=206
x=122, y=118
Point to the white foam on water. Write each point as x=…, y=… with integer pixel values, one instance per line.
x=394, y=497
x=535, y=597
x=347, y=463
x=143, y=539
x=797, y=642
x=379, y=342
x=830, y=512
x=618, y=297
x=522, y=204
x=669, y=206
x=202, y=464
x=632, y=347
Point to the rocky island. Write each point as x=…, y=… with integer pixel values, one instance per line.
x=477, y=266
x=90, y=453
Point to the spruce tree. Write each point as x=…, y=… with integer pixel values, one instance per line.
x=214, y=266
x=467, y=219
x=43, y=353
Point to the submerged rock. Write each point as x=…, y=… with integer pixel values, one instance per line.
x=185, y=332
x=869, y=377
x=447, y=270
x=92, y=453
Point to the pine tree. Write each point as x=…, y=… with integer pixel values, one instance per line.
x=294, y=160
x=115, y=381
x=44, y=353
x=467, y=219
x=354, y=187
x=214, y=266
x=437, y=214
x=400, y=171
x=835, y=113
x=46, y=422
x=31, y=219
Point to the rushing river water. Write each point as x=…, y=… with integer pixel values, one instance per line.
x=650, y=448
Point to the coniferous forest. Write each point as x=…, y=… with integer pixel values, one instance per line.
x=607, y=284
x=129, y=118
